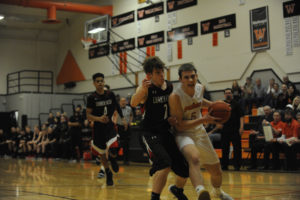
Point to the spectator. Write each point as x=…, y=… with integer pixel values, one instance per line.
x=271, y=89
x=75, y=124
x=10, y=140
x=51, y=146
x=28, y=137
x=65, y=115
x=256, y=138
x=282, y=99
x=287, y=141
x=51, y=120
x=214, y=133
x=231, y=132
x=41, y=145
x=31, y=145
x=21, y=148
x=64, y=141
x=298, y=117
x=296, y=105
x=2, y=143
x=259, y=93
x=237, y=91
x=248, y=95
x=86, y=132
x=288, y=83
x=124, y=128
x=291, y=94
x=57, y=117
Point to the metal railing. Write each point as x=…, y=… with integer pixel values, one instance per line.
x=34, y=81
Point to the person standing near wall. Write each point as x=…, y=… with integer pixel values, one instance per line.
x=231, y=132
x=124, y=129
x=75, y=124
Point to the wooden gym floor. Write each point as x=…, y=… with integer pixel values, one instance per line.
x=44, y=180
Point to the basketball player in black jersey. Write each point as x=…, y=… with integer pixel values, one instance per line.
x=100, y=107
x=154, y=93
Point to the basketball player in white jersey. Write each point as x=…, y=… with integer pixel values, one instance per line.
x=191, y=137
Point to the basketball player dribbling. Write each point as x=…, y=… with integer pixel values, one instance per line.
x=191, y=137
x=101, y=105
x=164, y=153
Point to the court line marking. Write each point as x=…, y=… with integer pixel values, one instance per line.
x=264, y=195
x=41, y=194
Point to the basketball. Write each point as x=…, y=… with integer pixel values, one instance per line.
x=221, y=110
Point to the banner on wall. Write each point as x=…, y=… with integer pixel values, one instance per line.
x=150, y=11
x=124, y=45
x=291, y=8
x=218, y=24
x=122, y=19
x=97, y=51
x=259, y=29
x=151, y=39
x=182, y=32
x=173, y=5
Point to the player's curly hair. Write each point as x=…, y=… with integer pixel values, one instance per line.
x=151, y=63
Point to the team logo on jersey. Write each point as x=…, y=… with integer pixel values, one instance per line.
x=193, y=106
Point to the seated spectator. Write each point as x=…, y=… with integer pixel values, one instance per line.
x=298, y=117
x=10, y=140
x=214, y=133
x=247, y=95
x=287, y=82
x=2, y=143
x=52, y=144
x=291, y=94
x=296, y=105
x=57, y=117
x=256, y=138
x=41, y=145
x=270, y=89
x=259, y=93
x=277, y=127
x=282, y=99
x=86, y=131
x=21, y=149
x=51, y=119
x=31, y=144
x=287, y=141
x=237, y=91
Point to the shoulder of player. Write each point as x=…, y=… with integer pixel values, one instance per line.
x=174, y=97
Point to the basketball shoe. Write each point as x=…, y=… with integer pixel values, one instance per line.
x=221, y=194
x=177, y=192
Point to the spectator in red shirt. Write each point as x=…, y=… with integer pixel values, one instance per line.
x=289, y=139
x=277, y=126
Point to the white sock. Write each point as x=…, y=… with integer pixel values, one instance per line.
x=199, y=188
x=218, y=190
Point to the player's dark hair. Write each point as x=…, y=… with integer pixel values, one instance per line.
x=151, y=63
x=185, y=68
x=97, y=75
x=228, y=89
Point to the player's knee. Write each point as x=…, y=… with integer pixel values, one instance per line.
x=194, y=159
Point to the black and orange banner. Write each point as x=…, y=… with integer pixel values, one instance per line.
x=291, y=8
x=150, y=11
x=182, y=32
x=122, y=19
x=259, y=29
x=173, y=5
x=151, y=39
x=99, y=50
x=218, y=24
x=124, y=45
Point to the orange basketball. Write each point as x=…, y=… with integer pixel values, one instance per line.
x=221, y=110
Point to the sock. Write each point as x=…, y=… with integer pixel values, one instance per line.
x=199, y=188
x=155, y=196
x=218, y=190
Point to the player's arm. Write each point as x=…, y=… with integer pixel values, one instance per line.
x=102, y=119
x=141, y=94
x=176, y=111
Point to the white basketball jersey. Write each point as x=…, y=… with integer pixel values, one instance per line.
x=191, y=107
